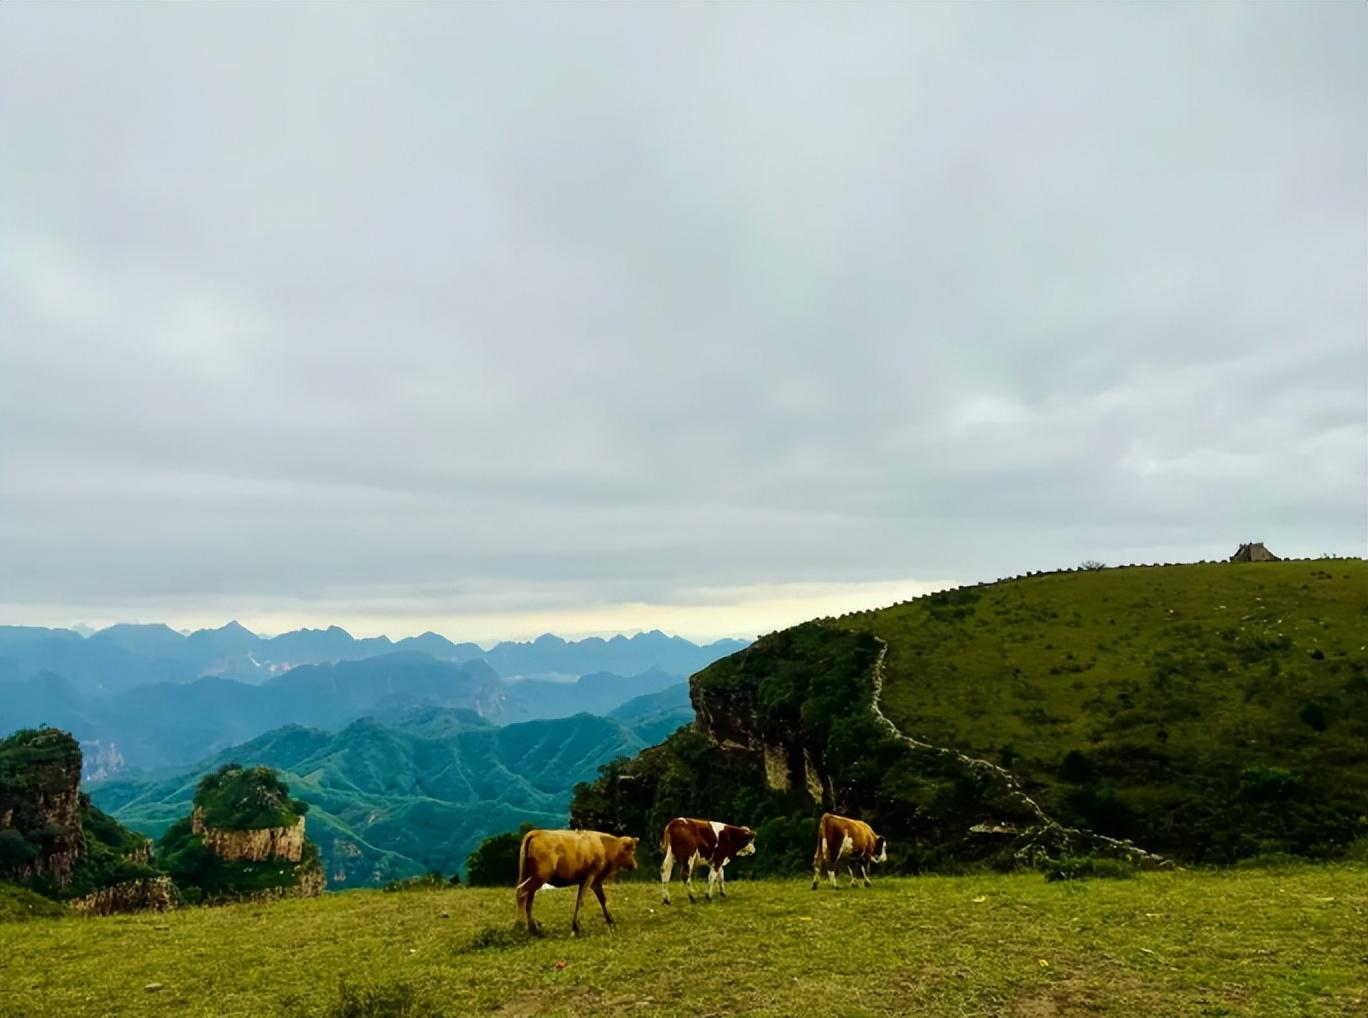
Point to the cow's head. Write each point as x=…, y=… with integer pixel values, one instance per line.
x=747, y=836
x=880, y=850
x=626, y=854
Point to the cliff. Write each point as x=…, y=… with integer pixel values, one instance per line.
x=262, y=844
x=53, y=840
x=146, y=894
x=243, y=841
x=40, y=807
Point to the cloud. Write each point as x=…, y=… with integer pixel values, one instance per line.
x=374, y=313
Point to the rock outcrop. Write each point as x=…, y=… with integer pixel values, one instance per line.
x=243, y=841
x=148, y=894
x=263, y=844
x=53, y=840
x=40, y=806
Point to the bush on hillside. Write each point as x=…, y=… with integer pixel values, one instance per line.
x=430, y=881
x=495, y=862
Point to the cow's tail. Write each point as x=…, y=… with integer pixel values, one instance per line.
x=522, y=860
x=822, y=856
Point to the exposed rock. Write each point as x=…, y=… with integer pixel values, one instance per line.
x=100, y=760
x=264, y=844
x=41, y=802
x=142, y=855
x=155, y=894
x=776, y=768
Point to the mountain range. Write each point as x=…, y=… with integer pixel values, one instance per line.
x=129, y=654
x=147, y=697
x=417, y=787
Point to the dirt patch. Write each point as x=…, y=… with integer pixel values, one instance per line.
x=1036, y=1007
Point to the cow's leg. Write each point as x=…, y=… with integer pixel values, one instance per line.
x=666, y=872
x=854, y=867
x=864, y=870
x=832, y=871
x=688, y=875
x=579, y=898
x=712, y=881
x=817, y=859
x=722, y=880
x=603, y=901
x=527, y=890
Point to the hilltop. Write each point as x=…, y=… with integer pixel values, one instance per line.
x=1208, y=712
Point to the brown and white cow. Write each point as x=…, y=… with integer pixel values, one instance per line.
x=844, y=838
x=564, y=858
x=690, y=842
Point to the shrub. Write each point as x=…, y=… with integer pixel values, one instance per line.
x=1268, y=784
x=1313, y=714
x=495, y=862
x=15, y=850
x=430, y=881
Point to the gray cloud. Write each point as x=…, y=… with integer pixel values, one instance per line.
x=377, y=313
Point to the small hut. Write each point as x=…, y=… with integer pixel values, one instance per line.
x=1254, y=551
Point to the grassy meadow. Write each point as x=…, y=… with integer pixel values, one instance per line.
x=1288, y=942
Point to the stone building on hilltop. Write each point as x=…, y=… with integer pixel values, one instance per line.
x=1253, y=551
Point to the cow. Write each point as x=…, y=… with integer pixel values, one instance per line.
x=690, y=842
x=564, y=858
x=843, y=838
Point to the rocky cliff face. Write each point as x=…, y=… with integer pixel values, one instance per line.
x=266, y=844
x=150, y=894
x=40, y=805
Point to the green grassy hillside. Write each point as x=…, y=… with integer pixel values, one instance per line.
x=1207, y=712
x=1182, y=945
x=1214, y=710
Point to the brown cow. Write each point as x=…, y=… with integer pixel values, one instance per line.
x=690, y=842
x=563, y=858
x=843, y=838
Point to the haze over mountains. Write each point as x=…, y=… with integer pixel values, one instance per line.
x=131, y=654
x=146, y=696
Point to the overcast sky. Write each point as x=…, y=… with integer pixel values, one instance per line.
x=494, y=320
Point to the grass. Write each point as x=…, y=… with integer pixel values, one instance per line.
x=1170, y=690
x=1291, y=941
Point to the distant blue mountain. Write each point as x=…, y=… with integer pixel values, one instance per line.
x=127, y=655
x=153, y=697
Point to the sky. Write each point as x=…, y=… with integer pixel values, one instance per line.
x=495, y=320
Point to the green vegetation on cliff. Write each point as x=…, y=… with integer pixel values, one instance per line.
x=204, y=878
x=247, y=798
